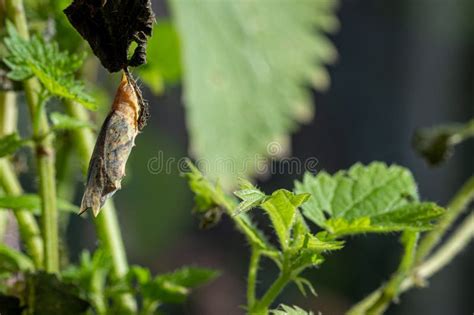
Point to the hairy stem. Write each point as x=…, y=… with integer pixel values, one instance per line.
x=261, y=306
x=457, y=205
x=392, y=288
x=106, y=223
x=255, y=307
x=252, y=276
x=44, y=151
x=29, y=230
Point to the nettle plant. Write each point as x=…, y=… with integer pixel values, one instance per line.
x=364, y=199
x=253, y=69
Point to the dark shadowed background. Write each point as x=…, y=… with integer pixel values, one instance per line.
x=403, y=64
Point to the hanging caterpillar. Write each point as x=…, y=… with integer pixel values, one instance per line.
x=113, y=146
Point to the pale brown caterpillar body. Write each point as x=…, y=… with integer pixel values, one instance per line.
x=113, y=147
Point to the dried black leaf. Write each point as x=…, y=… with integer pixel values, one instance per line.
x=111, y=26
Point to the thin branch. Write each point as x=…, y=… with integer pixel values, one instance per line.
x=392, y=288
x=445, y=254
x=261, y=306
x=27, y=224
x=29, y=231
x=44, y=150
x=6, y=99
x=252, y=276
x=457, y=205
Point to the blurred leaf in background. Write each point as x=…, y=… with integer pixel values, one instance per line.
x=9, y=144
x=163, y=51
x=248, y=66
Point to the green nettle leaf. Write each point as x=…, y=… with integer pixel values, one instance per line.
x=436, y=144
x=163, y=57
x=53, y=68
x=66, y=122
x=242, y=70
x=304, y=284
x=174, y=287
x=318, y=244
x=281, y=207
x=302, y=239
x=420, y=215
x=9, y=144
x=12, y=260
x=140, y=274
x=254, y=236
x=373, y=198
x=290, y=310
x=300, y=229
x=190, y=277
x=208, y=197
x=251, y=197
x=32, y=202
x=306, y=249
x=90, y=276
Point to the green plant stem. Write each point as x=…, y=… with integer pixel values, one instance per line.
x=261, y=306
x=255, y=307
x=457, y=205
x=442, y=256
x=465, y=133
x=3, y=223
x=8, y=113
x=392, y=288
x=252, y=276
x=7, y=117
x=149, y=307
x=450, y=249
x=96, y=293
x=44, y=151
x=106, y=223
x=27, y=224
x=378, y=300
